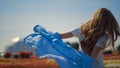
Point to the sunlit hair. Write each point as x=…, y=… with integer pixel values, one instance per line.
x=102, y=23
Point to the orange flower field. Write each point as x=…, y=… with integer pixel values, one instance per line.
x=110, y=61
x=28, y=63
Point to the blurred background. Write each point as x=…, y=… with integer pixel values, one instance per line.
x=18, y=17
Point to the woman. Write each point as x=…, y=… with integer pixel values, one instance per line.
x=95, y=35
x=99, y=32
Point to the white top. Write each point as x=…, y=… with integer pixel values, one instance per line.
x=101, y=40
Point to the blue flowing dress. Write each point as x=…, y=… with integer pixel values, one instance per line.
x=50, y=45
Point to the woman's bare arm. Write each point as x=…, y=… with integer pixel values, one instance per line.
x=66, y=35
x=96, y=50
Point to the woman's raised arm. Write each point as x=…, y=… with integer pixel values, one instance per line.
x=66, y=35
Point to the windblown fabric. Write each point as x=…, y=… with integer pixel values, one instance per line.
x=50, y=45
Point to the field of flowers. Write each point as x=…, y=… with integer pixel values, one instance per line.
x=28, y=63
x=24, y=60
x=109, y=62
x=112, y=61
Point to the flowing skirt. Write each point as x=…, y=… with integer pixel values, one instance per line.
x=50, y=45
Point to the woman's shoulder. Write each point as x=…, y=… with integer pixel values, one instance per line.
x=75, y=31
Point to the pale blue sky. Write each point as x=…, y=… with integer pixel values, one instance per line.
x=17, y=17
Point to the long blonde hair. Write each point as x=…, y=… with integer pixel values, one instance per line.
x=102, y=21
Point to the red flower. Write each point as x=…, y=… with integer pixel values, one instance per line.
x=7, y=54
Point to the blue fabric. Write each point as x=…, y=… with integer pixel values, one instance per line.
x=49, y=44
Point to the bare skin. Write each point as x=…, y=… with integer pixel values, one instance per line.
x=95, y=51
